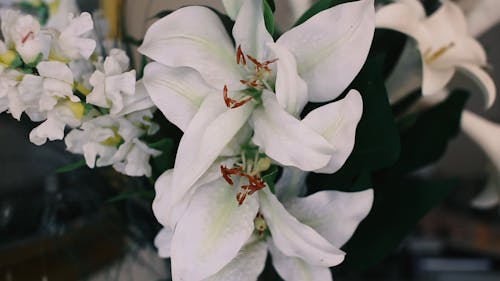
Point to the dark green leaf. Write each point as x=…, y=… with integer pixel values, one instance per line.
x=148, y=194
x=390, y=45
x=269, y=18
x=396, y=210
x=426, y=140
x=71, y=167
x=161, y=14
x=165, y=161
x=271, y=5
x=318, y=7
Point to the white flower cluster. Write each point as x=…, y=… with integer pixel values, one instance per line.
x=52, y=75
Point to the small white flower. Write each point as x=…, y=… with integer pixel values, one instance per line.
x=132, y=158
x=8, y=86
x=445, y=46
x=21, y=33
x=70, y=42
x=57, y=84
x=112, y=83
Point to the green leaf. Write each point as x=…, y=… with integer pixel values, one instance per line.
x=269, y=18
x=148, y=194
x=161, y=14
x=396, y=210
x=390, y=45
x=426, y=140
x=271, y=5
x=318, y=7
x=377, y=137
x=71, y=167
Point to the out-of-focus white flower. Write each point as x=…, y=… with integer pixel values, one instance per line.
x=70, y=42
x=444, y=45
x=108, y=140
x=8, y=82
x=305, y=233
x=481, y=15
x=112, y=84
x=486, y=134
x=58, y=12
x=21, y=33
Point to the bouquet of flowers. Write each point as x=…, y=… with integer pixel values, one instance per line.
x=305, y=143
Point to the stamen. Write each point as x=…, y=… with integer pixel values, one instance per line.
x=26, y=37
x=255, y=183
x=240, y=57
x=232, y=103
x=226, y=173
x=431, y=57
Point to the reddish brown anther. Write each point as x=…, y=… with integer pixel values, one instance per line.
x=255, y=183
x=226, y=173
x=240, y=57
x=232, y=103
x=26, y=37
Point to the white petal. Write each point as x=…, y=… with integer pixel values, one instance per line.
x=292, y=183
x=211, y=129
x=70, y=42
x=484, y=15
x=285, y=139
x=232, y=7
x=203, y=44
x=247, y=265
x=163, y=242
x=296, y=269
x=211, y=232
x=177, y=91
x=291, y=90
x=139, y=101
x=331, y=47
x=489, y=197
x=483, y=81
x=334, y=215
x=294, y=238
x=97, y=96
x=250, y=31
x=402, y=16
x=56, y=70
x=337, y=122
x=434, y=80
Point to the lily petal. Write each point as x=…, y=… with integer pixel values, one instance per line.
x=292, y=183
x=489, y=197
x=250, y=31
x=247, y=265
x=163, y=241
x=232, y=7
x=203, y=44
x=330, y=58
x=296, y=269
x=337, y=122
x=483, y=80
x=177, y=91
x=211, y=129
x=291, y=90
x=403, y=16
x=434, y=80
x=295, y=239
x=287, y=140
x=334, y=215
x=211, y=232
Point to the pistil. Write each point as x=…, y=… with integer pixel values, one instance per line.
x=430, y=56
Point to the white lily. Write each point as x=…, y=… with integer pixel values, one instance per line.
x=486, y=134
x=112, y=83
x=444, y=45
x=481, y=15
x=226, y=240
x=298, y=7
x=195, y=97
x=108, y=140
x=21, y=33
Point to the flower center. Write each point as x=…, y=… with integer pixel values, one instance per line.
x=249, y=172
x=260, y=224
x=430, y=56
x=256, y=81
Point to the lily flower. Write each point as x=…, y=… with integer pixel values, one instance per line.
x=444, y=44
x=222, y=239
x=298, y=7
x=21, y=33
x=486, y=134
x=112, y=82
x=212, y=90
